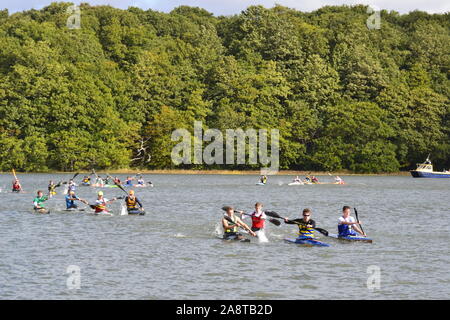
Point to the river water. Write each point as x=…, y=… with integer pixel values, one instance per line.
x=173, y=252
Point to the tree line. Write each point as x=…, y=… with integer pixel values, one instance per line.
x=109, y=94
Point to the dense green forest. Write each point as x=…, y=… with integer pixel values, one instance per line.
x=109, y=95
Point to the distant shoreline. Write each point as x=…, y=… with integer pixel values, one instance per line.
x=221, y=172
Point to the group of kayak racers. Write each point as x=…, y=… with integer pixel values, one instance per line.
x=101, y=182
x=347, y=226
x=132, y=203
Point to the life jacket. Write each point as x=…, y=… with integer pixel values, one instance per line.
x=234, y=228
x=99, y=207
x=257, y=222
x=16, y=186
x=86, y=180
x=131, y=203
x=305, y=232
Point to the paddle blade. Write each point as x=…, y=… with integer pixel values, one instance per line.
x=273, y=214
x=275, y=222
x=75, y=175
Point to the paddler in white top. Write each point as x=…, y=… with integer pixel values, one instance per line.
x=230, y=230
x=100, y=203
x=338, y=180
x=346, y=224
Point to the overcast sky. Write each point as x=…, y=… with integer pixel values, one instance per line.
x=227, y=7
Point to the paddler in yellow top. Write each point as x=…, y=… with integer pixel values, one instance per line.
x=230, y=229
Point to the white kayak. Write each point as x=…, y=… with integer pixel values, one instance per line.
x=260, y=184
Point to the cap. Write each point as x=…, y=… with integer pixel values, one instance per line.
x=100, y=193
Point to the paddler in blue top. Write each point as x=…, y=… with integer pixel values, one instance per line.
x=129, y=182
x=70, y=200
x=305, y=228
x=346, y=224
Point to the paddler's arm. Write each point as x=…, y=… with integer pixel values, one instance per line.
x=288, y=221
x=358, y=229
x=246, y=227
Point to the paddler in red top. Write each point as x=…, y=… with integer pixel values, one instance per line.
x=16, y=187
x=258, y=218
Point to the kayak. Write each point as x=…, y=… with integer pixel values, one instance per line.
x=85, y=184
x=233, y=239
x=42, y=211
x=351, y=238
x=308, y=242
x=296, y=183
x=102, y=213
x=74, y=209
x=136, y=212
x=260, y=184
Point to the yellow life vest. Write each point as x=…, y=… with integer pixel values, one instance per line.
x=304, y=231
x=234, y=228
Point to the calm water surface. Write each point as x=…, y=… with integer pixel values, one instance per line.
x=173, y=251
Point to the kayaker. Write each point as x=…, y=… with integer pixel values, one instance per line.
x=86, y=181
x=347, y=223
x=305, y=229
x=141, y=182
x=314, y=179
x=71, y=198
x=258, y=217
x=297, y=179
x=99, y=182
x=129, y=182
x=339, y=180
x=38, y=202
x=71, y=186
x=230, y=230
x=16, y=186
x=101, y=202
x=134, y=206
x=51, y=188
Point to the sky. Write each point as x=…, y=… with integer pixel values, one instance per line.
x=228, y=7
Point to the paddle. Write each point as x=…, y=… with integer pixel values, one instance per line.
x=275, y=222
x=117, y=184
x=15, y=177
x=356, y=214
x=276, y=215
